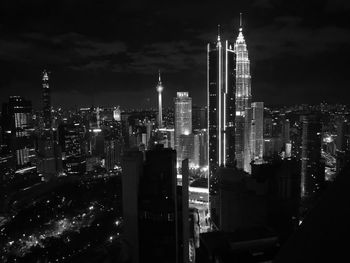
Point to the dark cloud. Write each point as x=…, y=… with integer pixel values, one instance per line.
x=262, y=4
x=171, y=56
x=293, y=39
x=337, y=5
x=110, y=51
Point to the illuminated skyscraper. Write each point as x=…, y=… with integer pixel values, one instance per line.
x=16, y=115
x=243, y=103
x=48, y=150
x=221, y=79
x=159, y=90
x=183, y=118
x=116, y=114
x=257, y=140
x=46, y=101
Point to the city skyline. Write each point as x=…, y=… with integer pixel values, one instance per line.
x=134, y=133
x=120, y=59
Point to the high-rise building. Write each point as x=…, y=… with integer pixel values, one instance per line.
x=159, y=90
x=203, y=148
x=166, y=137
x=49, y=156
x=154, y=208
x=243, y=103
x=113, y=151
x=185, y=150
x=16, y=121
x=285, y=131
x=46, y=93
x=149, y=127
x=116, y=114
x=257, y=140
x=235, y=201
x=343, y=145
x=196, y=149
x=199, y=118
x=312, y=168
x=221, y=79
x=71, y=139
x=48, y=150
x=132, y=164
x=343, y=135
x=183, y=120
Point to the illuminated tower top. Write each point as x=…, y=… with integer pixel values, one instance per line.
x=243, y=65
x=159, y=86
x=159, y=90
x=46, y=93
x=219, y=38
x=240, y=38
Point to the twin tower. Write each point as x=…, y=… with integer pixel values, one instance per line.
x=229, y=104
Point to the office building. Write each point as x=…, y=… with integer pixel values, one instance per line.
x=46, y=98
x=342, y=145
x=113, y=151
x=71, y=138
x=16, y=122
x=199, y=118
x=312, y=167
x=186, y=148
x=221, y=78
x=116, y=114
x=257, y=140
x=153, y=210
x=49, y=157
x=183, y=121
x=234, y=203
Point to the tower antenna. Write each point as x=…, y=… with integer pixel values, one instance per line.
x=218, y=32
x=240, y=20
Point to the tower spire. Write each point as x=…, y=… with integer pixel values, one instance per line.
x=159, y=90
x=218, y=32
x=240, y=22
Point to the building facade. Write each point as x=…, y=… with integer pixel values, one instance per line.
x=16, y=121
x=243, y=104
x=183, y=121
x=221, y=79
x=312, y=168
x=257, y=139
x=46, y=93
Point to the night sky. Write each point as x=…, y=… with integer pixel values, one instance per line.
x=109, y=52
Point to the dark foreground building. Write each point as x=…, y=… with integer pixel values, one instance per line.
x=151, y=206
x=257, y=244
x=323, y=235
